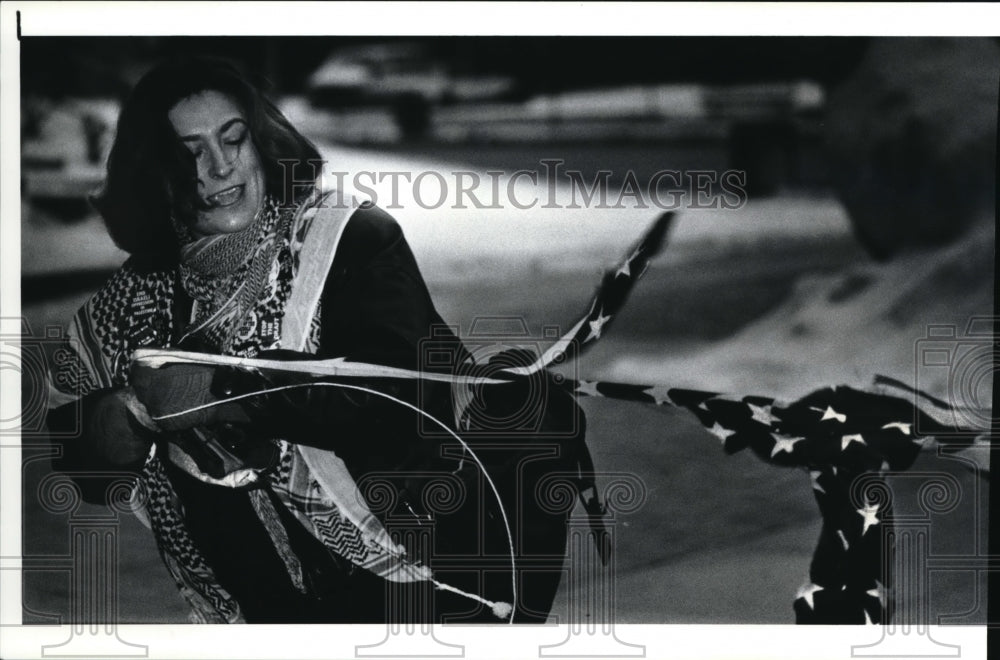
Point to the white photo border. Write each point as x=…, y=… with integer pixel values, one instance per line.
x=399, y=19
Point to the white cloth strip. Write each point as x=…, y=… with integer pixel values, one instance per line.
x=339, y=367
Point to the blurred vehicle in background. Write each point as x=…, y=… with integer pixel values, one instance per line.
x=64, y=146
x=398, y=92
x=400, y=76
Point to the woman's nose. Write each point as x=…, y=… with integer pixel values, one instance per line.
x=219, y=167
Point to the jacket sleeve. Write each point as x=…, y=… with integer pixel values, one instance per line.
x=375, y=308
x=375, y=305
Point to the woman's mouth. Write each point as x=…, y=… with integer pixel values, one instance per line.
x=226, y=197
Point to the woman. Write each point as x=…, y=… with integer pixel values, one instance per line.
x=201, y=190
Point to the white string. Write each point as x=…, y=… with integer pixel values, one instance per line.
x=336, y=367
x=489, y=480
x=501, y=609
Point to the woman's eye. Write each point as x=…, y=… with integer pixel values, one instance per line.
x=236, y=139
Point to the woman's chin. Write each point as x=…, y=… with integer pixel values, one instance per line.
x=224, y=221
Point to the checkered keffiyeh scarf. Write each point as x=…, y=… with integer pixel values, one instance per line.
x=134, y=309
x=226, y=275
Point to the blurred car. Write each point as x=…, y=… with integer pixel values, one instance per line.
x=64, y=147
x=402, y=76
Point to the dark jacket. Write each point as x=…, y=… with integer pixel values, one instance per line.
x=375, y=308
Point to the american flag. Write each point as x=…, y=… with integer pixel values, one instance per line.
x=606, y=303
x=847, y=439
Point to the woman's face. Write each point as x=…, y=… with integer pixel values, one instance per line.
x=230, y=177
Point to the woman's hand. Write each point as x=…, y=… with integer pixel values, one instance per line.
x=182, y=396
x=139, y=412
x=120, y=428
x=100, y=437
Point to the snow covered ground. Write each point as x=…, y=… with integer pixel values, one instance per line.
x=846, y=326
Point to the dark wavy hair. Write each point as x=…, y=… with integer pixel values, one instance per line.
x=152, y=177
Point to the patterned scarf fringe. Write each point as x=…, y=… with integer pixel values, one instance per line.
x=226, y=274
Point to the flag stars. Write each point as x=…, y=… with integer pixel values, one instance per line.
x=660, y=396
x=814, y=475
x=720, y=432
x=868, y=513
x=624, y=270
x=902, y=427
x=848, y=439
x=588, y=388
x=830, y=413
x=783, y=444
x=806, y=592
x=762, y=414
x=635, y=255
x=843, y=540
x=597, y=325
x=878, y=591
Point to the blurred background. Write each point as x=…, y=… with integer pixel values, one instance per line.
x=868, y=216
